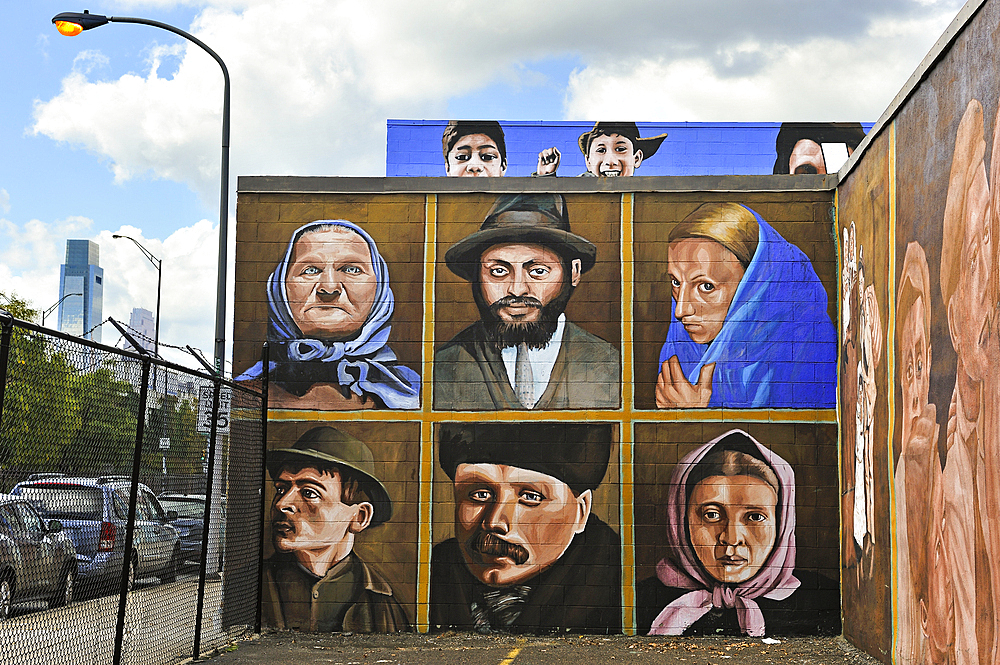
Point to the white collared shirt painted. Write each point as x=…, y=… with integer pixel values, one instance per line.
x=542, y=360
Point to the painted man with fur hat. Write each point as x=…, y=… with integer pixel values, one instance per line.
x=523, y=265
x=528, y=555
x=611, y=149
x=326, y=494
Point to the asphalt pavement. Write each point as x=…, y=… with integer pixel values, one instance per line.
x=456, y=648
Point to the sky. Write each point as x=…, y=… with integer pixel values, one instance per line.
x=118, y=130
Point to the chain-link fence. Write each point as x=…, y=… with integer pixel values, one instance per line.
x=118, y=476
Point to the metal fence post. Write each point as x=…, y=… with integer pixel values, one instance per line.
x=265, y=363
x=140, y=430
x=207, y=521
x=8, y=327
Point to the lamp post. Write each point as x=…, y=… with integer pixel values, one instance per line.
x=72, y=24
x=158, y=264
x=59, y=302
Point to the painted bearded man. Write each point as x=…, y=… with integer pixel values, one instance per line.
x=524, y=264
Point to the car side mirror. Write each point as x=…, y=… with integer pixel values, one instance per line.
x=54, y=526
x=171, y=515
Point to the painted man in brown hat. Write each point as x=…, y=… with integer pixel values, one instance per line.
x=528, y=555
x=326, y=494
x=523, y=265
x=611, y=149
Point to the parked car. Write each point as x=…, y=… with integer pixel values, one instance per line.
x=190, y=509
x=94, y=514
x=37, y=559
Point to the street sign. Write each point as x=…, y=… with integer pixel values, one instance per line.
x=165, y=444
x=205, y=409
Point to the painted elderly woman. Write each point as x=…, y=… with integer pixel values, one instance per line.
x=329, y=307
x=731, y=538
x=749, y=325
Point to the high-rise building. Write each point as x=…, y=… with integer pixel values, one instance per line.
x=81, y=274
x=143, y=322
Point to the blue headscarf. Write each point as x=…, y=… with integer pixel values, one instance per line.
x=777, y=347
x=365, y=365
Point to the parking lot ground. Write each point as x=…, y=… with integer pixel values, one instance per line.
x=456, y=648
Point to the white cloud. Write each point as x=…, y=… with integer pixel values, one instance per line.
x=34, y=252
x=4, y=201
x=822, y=79
x=314, y=80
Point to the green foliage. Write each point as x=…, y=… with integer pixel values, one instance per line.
x=20, y=308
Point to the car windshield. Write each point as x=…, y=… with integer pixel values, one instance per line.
x=193, y=509
x=66, y=502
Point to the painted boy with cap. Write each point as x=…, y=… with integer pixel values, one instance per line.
x=611, y=149
x=326, y=494
x=528, y=552
x=523, y=265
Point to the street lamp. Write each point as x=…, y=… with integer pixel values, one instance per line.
x=158, y=264
x=72, y=24
x=59, y=302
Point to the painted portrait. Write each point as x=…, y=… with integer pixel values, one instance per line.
x=749, y=325
x=330, y=495
x=726, y=521
x=474, y=149
x=815, y=147
x=524, y=265
x=330, y=308
x=527, y=550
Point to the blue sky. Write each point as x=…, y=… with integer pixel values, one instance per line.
x=117, y=130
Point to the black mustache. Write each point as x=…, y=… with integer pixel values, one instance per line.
x=509, y=301
x=488, y=543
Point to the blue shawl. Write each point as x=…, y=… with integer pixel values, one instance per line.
x=777, y=347
x=365, y=365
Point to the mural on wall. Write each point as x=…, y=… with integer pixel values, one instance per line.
x=866, y=544
x=327, y=495
x=815, y=147
x=726, y=524
x=947, y=442
x=748, y=324
x=524, y=264
x=474, y=149
x=528, y=552
x=330, y=308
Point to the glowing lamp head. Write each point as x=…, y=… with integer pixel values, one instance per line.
x=71, y=24
x=68, y=29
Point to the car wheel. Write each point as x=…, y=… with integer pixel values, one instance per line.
x=6, y=598
x=64, y=594
x=169, y=574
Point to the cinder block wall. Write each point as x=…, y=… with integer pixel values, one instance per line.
x=603, y=438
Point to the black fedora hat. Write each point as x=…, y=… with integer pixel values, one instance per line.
x=522, y=218
x=325, y=447
x=629, y=130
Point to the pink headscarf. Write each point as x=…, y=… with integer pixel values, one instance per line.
x=683, y=570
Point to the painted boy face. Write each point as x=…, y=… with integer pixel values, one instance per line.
x=612, y=156
x=807, y=157
x=307, y=513
x=732, y=523
x=475, y=155
x=974, y=299
x=512, y=523
x=704, y=277
x=524, y=277
x=331, y=284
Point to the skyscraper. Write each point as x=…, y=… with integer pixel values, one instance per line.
x=143, y=322
x=81, y=274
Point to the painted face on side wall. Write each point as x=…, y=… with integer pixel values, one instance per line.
x=974, y=299
x=807, y=157
x=475, y=155
x=704, y=277
x=613, y=156
x=512, y=523
x=331, y=284
x=524, y=278
x=732, y=523
x=307, y=513
x=916, y=356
